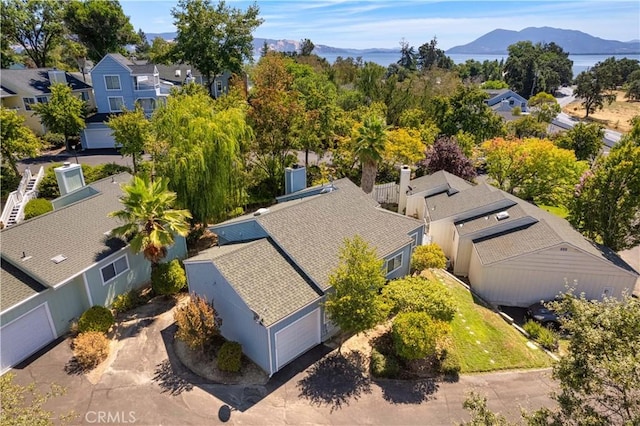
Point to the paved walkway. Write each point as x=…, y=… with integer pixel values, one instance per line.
x=143, y=381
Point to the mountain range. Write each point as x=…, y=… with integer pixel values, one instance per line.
x=575, y=42
x=495, y=42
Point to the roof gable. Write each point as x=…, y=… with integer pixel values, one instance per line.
x=35, y=82
x=111, y=59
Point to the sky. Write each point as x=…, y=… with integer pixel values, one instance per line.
x=383, y=24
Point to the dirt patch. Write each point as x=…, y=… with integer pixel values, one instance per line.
x=206, y=367
x=615, y=116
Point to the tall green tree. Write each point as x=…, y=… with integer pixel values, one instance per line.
x=18, y=141
x=131, y=131
x=200, y=149
x=585, y=139
x=370, y=138
x=150, y=222
x=531, y=69
x=606, y=203
x=306, y=47
x=101, y=26
x=216, y=38
x=408, y=57
x=355, y=304
x=429, y=56
x=142, y=46
x=64, y=112
x=593, y=88
x=36, y=25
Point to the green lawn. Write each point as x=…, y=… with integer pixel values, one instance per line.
x=559, y=211
x=484, y=341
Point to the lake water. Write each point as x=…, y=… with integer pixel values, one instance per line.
x=580, y=62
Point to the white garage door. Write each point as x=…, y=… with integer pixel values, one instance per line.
x=24, y=336
x=297, y=338
x=98, y=138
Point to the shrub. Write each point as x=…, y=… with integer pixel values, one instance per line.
x=416, y=294
x=55, y=140
x=386, y=366
x=428, y=256
x=91, y=348
x=197, y=323
x=450, y=364
x=105, y=170
x=533, y=328
x=230, y=357
x=168, y=278
x=548, y=339
x=96, y=318
x=48, y=186
x=36, y=207
x=416, y=335
x=127, y=301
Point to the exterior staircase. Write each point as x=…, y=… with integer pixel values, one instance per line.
x=13, y=211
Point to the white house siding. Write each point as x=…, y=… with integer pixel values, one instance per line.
x=238, y=322
x=415, y=206
x=442, y=233
x=462, y=256
x=543, y=275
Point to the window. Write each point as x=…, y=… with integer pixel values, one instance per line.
x=28, y=102
x=42, y=99
x=84, y=96
x=394, y=263
x=219, y=86
x=112, y=270
x=112, y=82
x=116, y=103
x=414, y=241
x=511, y=102
x=147, y=104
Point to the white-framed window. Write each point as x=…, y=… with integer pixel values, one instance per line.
x=116, y=103
x=28, y=102
x=42, y=99
x=147, y=104
x=414, y=240
x=394, y=263
x=219, y=86
x=112, y=82
x=84, y=96
x=114, y=269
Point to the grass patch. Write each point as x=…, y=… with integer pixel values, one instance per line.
x=559, y=211
x=501, y=347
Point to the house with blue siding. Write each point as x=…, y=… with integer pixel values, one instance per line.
x=57, y=265
x=505, y=100
x=269, y=275
x=120, y=83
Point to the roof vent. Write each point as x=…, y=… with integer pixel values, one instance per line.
x=261, y=211
x=59, y=258
x=502, y=215
x=178, y=73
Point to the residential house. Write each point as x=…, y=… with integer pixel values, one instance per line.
x=180, y=74
x=503, y=101
x=512, y=252
x=269, y=275
x=119, y=82
x=57, y=265
x=20, y=89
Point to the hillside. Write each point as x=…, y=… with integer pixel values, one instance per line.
x=572, y=41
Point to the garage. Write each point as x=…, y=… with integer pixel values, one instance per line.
x=96, y=138
x=25, y=335
x=297, y=338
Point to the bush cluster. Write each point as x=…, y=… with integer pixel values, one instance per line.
x=53, y=140
x=416, y=294
x=37, y=207
x=428, y=256
x=417, y=335
x=385, y=366
x=96, y=318
x=541, y=334
x=450, y=364
x=197, y=322
x=48, y=186
x=168, y=278
x=126, y=301
x=90, y=348
x=230, y=357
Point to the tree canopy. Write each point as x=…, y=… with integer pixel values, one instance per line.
x=447, y=155
x=131, y=131
x=63, y=113
x=18, y=141
x=584, y=139
x=101, y=26
x=369, y=138
x=592, y=87
x=355, y=306
x=214, y=38
x=36, y=25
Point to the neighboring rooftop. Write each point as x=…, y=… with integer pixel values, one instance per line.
x=437, y=180
x=16, y=286
x=76, y=232
x=36, y=80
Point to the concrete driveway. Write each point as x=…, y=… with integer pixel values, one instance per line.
x=142, y=383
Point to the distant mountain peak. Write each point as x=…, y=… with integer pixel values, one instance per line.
x=575, y=42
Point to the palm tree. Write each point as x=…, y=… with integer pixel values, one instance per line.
x=370, y=139
x=149, y=220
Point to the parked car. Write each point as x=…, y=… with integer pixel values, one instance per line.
x=545, y=316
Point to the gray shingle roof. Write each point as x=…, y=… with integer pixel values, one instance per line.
x=266, y=281
x=443, y=206
x=16, y=286
x=36, y=81
x=438, y=179
x=313, y=231
x=490, y=220
x=75, y=231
